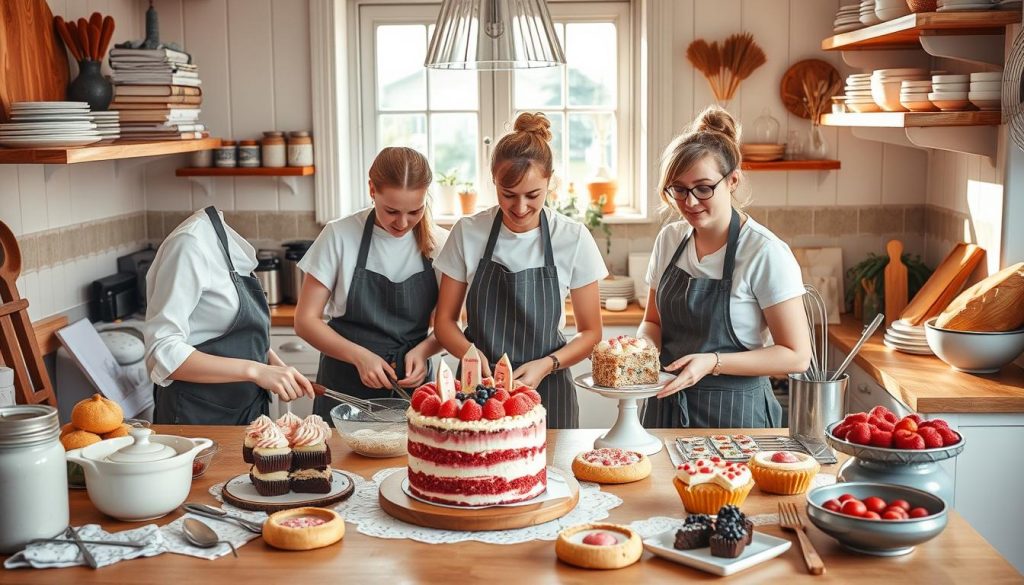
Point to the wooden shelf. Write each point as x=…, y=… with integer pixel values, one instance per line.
x=905, y=32
x=791, y=165
x=913, y=119
x=119, y=149
x=244, y=172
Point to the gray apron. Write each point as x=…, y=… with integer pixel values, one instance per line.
x=387, y=318
x=248, y=338
x=517, y=313
x=695, y=319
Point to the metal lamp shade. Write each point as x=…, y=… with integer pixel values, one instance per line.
x=494, y=35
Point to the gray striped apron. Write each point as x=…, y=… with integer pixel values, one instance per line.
x=517, y=313
x=248, y=338
x=387, y=318
x=695, y=319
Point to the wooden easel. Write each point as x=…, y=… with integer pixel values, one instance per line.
x=18, y=348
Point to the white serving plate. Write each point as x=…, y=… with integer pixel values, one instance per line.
x=241, y=486
x=907, y=349
x=763, y=547
x=586, y=381
x=48, y=133
x=26, y=118
x=903, y=342
x=46, y=125
x=36, y=142
x=49, y=105
x=904, y=325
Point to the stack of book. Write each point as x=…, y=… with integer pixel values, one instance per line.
x=157, y=93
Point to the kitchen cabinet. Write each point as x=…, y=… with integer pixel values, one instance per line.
x=296, y=352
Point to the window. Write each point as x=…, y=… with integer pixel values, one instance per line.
x=454, y=116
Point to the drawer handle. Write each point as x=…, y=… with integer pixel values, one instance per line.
x=294, y=346
x=863, y=389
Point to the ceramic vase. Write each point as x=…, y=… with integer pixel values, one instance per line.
x=90, y=86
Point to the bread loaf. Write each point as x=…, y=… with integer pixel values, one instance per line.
x=994, y=304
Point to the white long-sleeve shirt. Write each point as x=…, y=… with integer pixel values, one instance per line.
x=189, y=292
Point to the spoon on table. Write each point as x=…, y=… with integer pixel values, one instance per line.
x=222, y=515
x=202, y=535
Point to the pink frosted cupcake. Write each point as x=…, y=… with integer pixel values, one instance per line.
x=309, y=444
x=253, y=432
x=288, y=423
x=272, y=459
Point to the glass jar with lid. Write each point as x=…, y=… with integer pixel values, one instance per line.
x=766, y=128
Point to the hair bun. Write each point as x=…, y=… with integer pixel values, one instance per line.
x=715, y=119
x=534, y=124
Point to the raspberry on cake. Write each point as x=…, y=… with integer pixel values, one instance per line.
x=487, y=448
x=625, y=361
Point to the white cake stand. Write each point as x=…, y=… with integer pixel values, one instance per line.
x=627, y=432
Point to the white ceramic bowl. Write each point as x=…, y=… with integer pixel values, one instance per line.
x=887, y=95
x=987, y=105
x=951, y=105
x=950, y=87
x=863, y=107
x=950, y=78
x=984, y=95
x=987, y=76
x=916, y=83
x=918, y=106
x=947, y=95
x=986, y=86
x=901, y=71
x=976, y=352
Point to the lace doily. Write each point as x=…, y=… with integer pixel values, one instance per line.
x=365, y=512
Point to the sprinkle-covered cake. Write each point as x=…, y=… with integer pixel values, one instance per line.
x=625, y=361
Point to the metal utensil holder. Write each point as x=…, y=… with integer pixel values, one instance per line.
x=814, y=405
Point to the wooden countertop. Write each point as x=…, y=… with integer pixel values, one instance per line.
x=958, y=555
x=925, y=383
x=284, y=316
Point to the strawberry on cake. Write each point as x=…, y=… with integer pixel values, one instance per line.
x=477, y=445
x=625, y=361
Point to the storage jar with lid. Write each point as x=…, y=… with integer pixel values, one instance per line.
x=33, y=476
x=248, y=154
x=300, y=149
x=274, y=150
x=766, y=128
x=291, y=274
x=226, y=154
x=268, y=272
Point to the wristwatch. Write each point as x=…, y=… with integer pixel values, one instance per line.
x=556, y=365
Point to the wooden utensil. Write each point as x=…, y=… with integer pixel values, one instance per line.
x=65, y=35
x=94, y=42
x=96, y=19
x=895, y=282
x=789, y=519
x=944, y=284
x=83, y=37
x=34, y=66
x=105, y=35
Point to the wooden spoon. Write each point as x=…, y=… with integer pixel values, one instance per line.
x=73, y=33
x=94, y=42
x=83, y=36
x=65, y=35
x=96, y=19
x=105, y=36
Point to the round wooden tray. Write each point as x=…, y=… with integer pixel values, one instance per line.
x=395, y=502
x=240, y=492
x=791, y=89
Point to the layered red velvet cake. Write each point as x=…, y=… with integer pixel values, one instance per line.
x=475, y=443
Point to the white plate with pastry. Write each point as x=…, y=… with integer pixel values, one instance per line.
x=762, y=548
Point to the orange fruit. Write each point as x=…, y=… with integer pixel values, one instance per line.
x=97, y=414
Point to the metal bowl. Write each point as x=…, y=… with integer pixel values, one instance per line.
x=365, y=433
x=877, y=537
x=892, y=456
x=977, y=352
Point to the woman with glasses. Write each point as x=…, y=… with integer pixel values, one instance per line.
x=725, y=303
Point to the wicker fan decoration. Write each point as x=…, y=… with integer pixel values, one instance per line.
x=726, y=65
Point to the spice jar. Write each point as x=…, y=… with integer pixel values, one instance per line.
x=300, y=149
x=202, y=158
x=33, y=473
x=226, y=154
x=248, y=154
x=273, y=149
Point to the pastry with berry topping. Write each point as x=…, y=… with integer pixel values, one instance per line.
x=705, y=485
x=695, y=533
x=611, y=466
x=730, y=513
x=625, y=361
x=729, y=539
x=479, y=446
x=783, y=472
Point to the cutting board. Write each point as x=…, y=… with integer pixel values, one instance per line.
x=34, y=66
x=944, y=284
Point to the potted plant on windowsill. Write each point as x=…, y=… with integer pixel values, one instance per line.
x=447, y=192
x=467, y=198
x=593, y=216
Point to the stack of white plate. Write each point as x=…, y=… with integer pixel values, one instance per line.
x=886, y=85
x=890, y=9
x=949, y=92
x=762, y=152
x=914, y=96
x=958, y=5
x=867, y=13
x=108, y=124
x=858, y=94
x=48, y=124
x=616, y=287
x=847, y=19
x=985, y=90
x=903, y=336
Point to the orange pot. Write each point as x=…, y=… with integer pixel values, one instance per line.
x=607, y=189
x=467, y=199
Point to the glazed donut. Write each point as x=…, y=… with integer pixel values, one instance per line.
x=611, y=466
x=303, y=528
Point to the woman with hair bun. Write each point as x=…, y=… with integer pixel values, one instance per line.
x=725, y=304
x=372, y=273
x=513, y=265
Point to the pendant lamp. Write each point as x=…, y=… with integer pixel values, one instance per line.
x=494, y=35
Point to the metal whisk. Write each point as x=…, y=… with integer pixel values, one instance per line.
x=817, y=324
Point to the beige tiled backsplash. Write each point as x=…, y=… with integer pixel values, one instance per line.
x=56, y=246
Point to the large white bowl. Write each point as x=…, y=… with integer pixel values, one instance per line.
x=986, y=86
x=887, y=95
x=977, y=352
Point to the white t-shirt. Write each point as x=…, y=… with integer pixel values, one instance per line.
x=333, y=256
x=577, y=259
x=766, y=273
x=190, y=297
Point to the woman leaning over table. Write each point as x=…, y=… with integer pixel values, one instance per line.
x=725, y=304
x=513, y=265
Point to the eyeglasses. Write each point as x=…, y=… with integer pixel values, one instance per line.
x=701, y=192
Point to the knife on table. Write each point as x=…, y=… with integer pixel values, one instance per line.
x=89, y=559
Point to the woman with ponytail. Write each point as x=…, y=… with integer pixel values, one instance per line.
x=514, y=265
x=725, y=304
x=372, y=274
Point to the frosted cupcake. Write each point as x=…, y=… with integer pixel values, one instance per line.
x=272, y=459
x=783, y=472
x=253, y=432
x=705, y=485
x=309, y=444
x=288, y=423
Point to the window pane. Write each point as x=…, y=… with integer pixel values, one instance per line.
x=401, y=77
x=540, y=88
x=402, y=130
x=590, y=56
x=455, y=140
x=592, y=143
x=454, y=90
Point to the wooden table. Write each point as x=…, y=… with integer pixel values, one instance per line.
x=958, y=555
